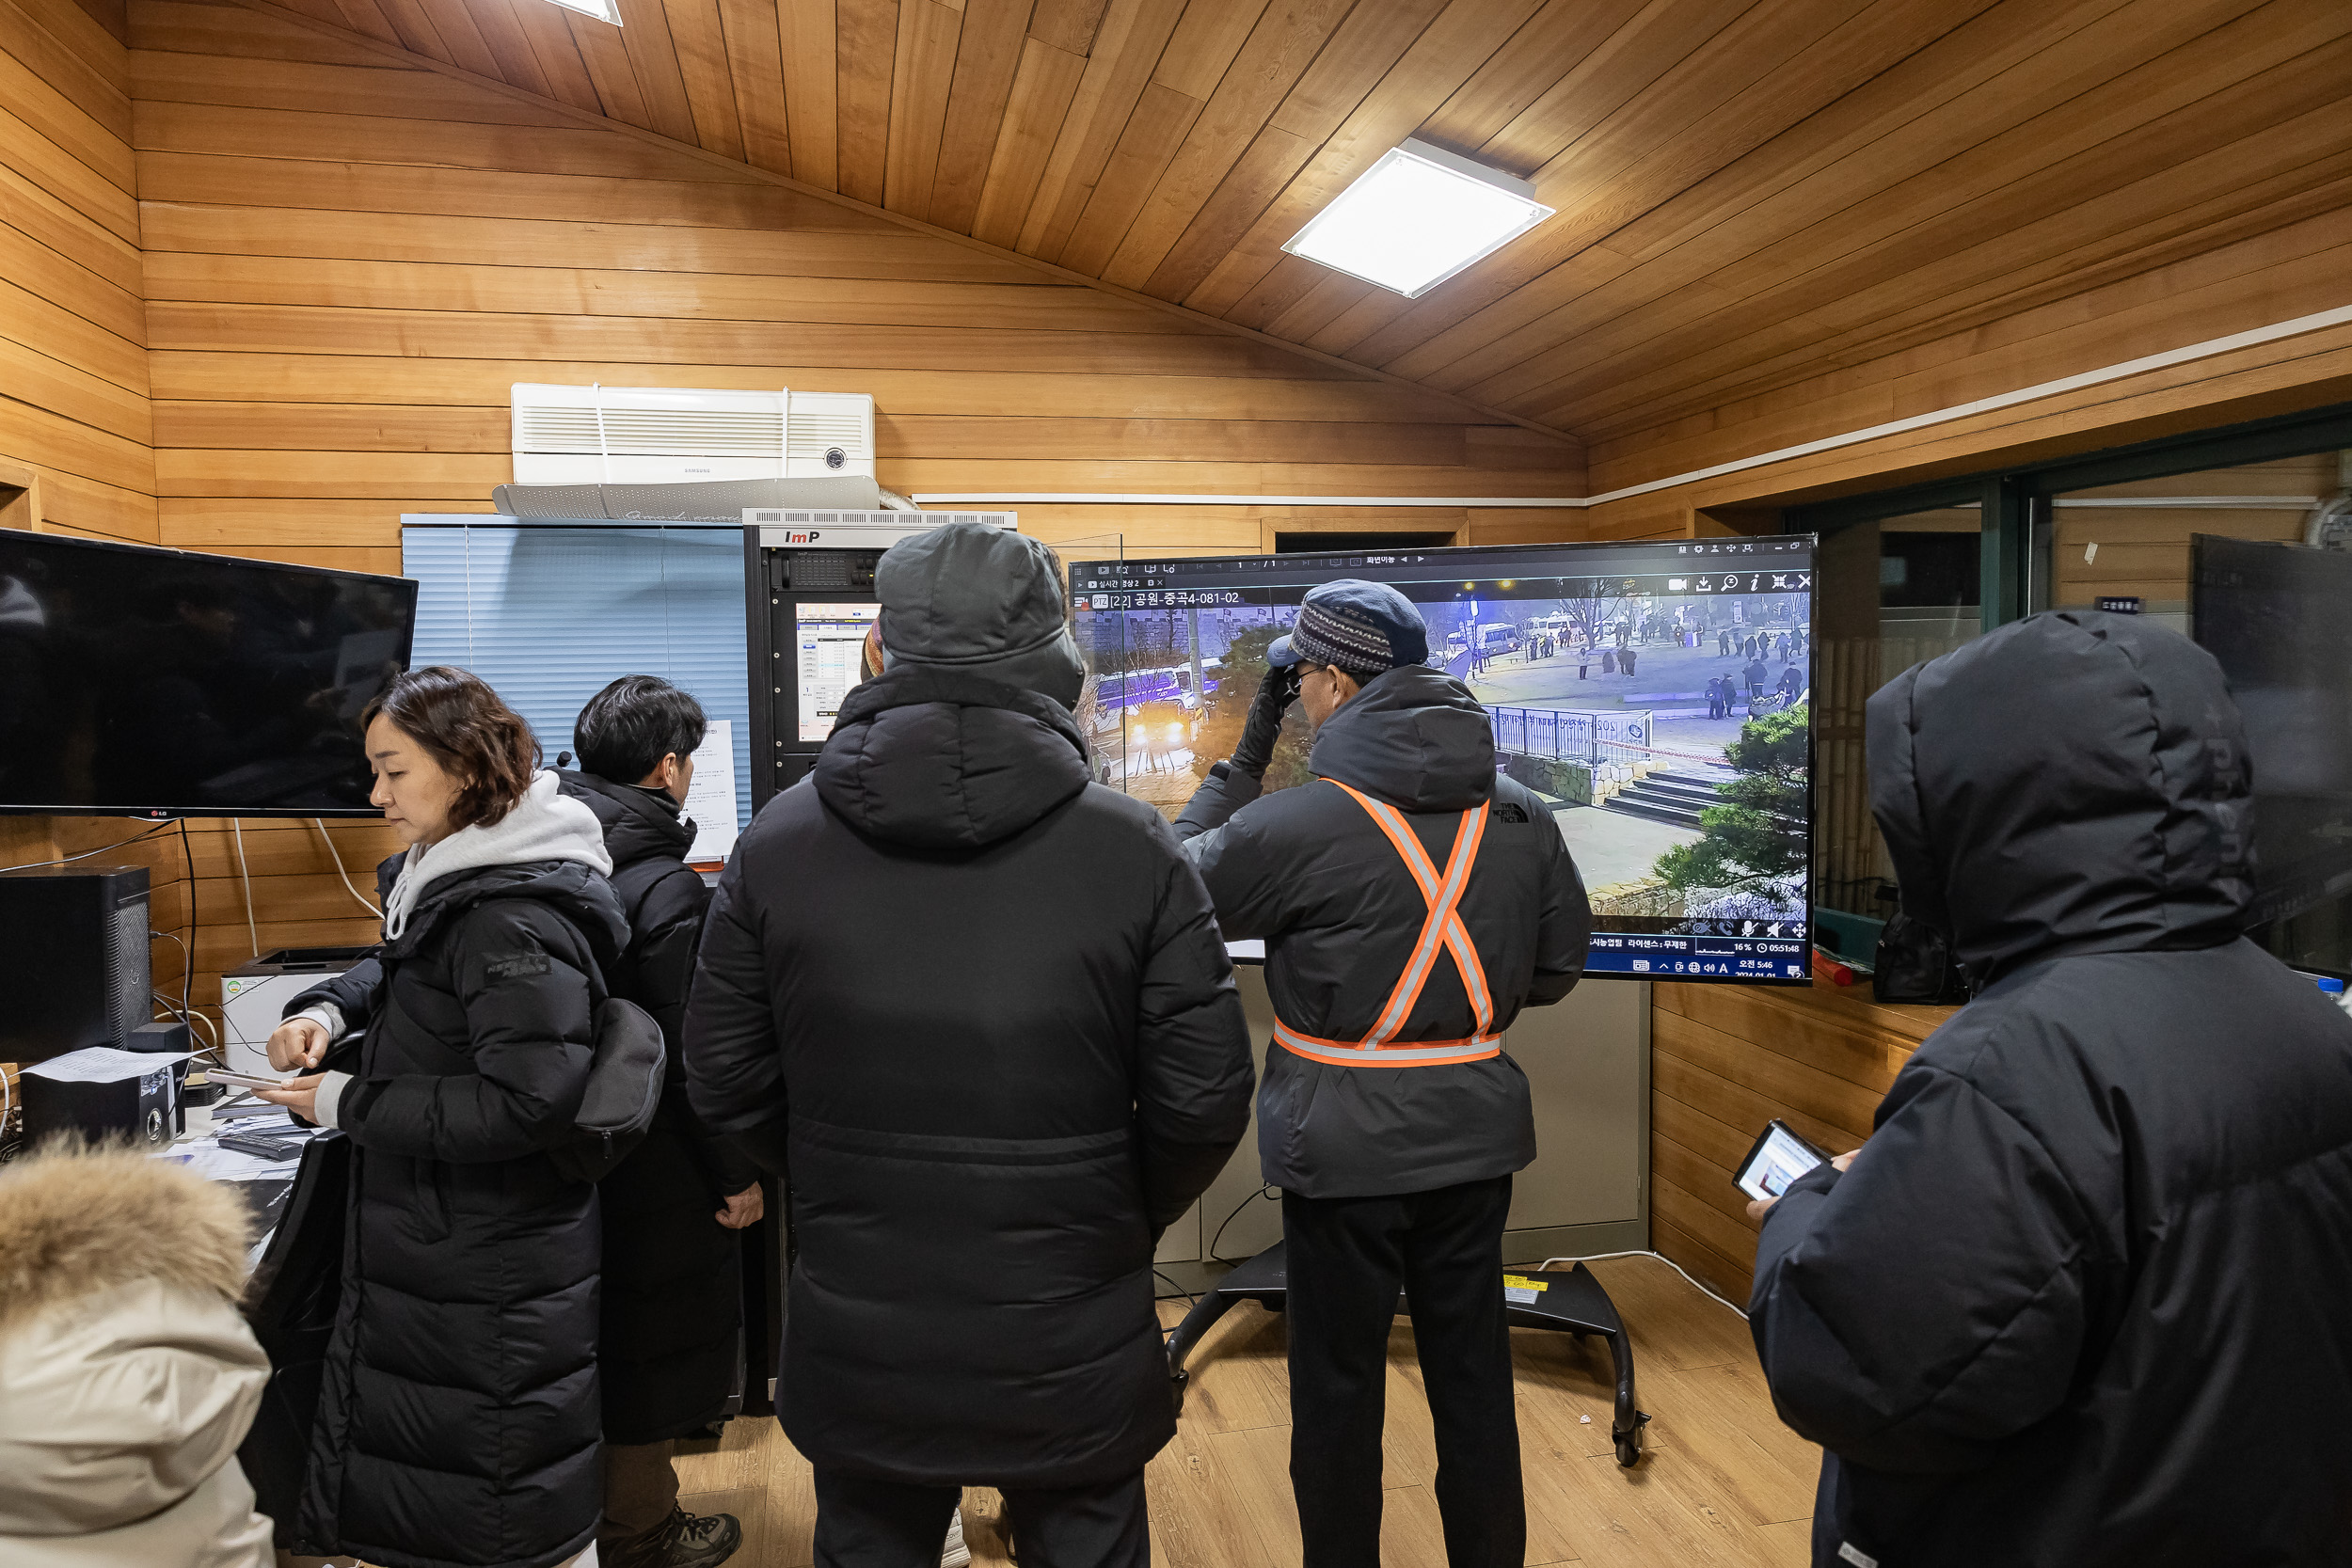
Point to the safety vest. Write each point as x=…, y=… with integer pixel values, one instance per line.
x=1442, y=928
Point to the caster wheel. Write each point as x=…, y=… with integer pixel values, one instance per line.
x=1628, y=1452
x=1176, y=1382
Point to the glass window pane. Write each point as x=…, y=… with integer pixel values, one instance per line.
x=2131, y=540
x=1892, y=594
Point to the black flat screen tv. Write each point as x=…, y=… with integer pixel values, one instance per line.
x=2278, y=618
x=1654, y=692
x=145, y=682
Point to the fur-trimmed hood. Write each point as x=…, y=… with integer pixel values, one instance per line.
x=75, y=1221
x=128, y=1377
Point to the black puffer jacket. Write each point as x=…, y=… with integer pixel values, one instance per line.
x=672, y=1282
x=1311, y=871
x=458, y=1423
x=983, y=1006
x=2081, y=1299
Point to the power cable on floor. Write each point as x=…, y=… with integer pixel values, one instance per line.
x=1603, y=1257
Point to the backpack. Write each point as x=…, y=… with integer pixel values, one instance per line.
x=624, y=1077
x=624, y=1091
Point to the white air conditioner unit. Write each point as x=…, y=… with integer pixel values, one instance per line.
x=670, y=436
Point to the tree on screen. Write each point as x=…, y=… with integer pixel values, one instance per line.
x=1243, y=671
x=1757, y=834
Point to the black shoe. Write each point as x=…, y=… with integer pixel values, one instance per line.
x=685, y=1540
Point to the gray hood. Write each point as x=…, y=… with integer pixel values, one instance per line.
x=2075, y=782
x=980, y=601
x=1413, y=737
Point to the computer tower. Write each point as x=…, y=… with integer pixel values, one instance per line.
x=75, y=940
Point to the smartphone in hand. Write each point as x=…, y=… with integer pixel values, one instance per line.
x=1779, y=1157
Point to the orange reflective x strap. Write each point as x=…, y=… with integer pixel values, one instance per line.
x=1442, y=928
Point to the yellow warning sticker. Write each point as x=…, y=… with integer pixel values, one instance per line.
x=1520, y=1291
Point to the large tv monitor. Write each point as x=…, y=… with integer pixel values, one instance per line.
x=136, y=681
x=2278, y=618
x=1654, y=692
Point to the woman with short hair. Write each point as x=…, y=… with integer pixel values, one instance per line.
x=457, y=1422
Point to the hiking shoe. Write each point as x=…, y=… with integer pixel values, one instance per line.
x=684, y=1540
x=955, y=1554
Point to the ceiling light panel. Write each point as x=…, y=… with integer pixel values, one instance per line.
x=1416, y=217
x=603, y=10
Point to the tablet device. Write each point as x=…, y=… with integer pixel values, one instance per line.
x=1778, y=1159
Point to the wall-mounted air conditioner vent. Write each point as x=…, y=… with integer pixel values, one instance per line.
x=662, y=436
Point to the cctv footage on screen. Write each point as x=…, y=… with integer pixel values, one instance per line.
x=1654, y=694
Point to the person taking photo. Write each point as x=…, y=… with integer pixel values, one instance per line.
x=1412, y=901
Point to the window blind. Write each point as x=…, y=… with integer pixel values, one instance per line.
x=550, y=616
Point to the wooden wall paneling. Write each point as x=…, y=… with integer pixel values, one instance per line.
x=1725, y=1060
x=73, y=373
x=219, y=372
x=1043, y=85
x=42, y=217
x=810, y=88
x=481, y=192
x=397, y=91
x=988, y=54
x=66, y=50
x=1126, y=48
x=845, y=301
x=752, y=53
x=313, y=135
x=531, y=242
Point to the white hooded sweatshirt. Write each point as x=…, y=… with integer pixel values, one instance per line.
x=544, y=824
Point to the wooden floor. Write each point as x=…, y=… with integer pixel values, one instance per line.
x=1723, y=1482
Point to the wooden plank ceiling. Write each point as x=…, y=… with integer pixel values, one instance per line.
x=1749, y=192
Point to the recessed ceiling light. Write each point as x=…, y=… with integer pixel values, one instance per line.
x=603, y=10
x=1416, y=217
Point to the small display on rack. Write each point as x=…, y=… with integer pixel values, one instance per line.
x=831, y=644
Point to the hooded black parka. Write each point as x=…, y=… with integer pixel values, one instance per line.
x=673, y=1307
x=2082, y=1299
x=458, y=1423
x=1308, y=870
x=981, y=1007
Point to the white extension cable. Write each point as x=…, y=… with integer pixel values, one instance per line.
x=338, y=859
x=245, y=877
x=1603, y=1257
